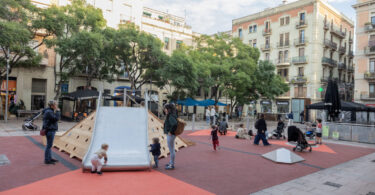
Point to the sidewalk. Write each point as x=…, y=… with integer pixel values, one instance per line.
x=353, y=177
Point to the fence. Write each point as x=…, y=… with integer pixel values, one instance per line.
x=350, y=132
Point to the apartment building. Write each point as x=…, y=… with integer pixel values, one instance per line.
x=365, y=52
x=35, y=86
x=309, y=42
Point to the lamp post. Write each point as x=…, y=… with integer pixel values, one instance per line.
x=7, y=90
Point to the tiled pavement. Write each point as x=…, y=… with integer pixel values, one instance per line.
x=353, y=177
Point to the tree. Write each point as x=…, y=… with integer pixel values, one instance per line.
x=70, y=23
x=181, y=74
x=140, y=56
x=17, y=31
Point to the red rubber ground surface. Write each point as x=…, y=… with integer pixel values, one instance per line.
x=237, y=168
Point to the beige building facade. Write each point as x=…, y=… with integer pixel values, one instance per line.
x=365, y=52
x=309, y=42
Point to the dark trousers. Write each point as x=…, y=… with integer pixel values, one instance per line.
x=156, y=160
x=215, y=143
x=211, y=120
x=261, y=136
x=50, y=135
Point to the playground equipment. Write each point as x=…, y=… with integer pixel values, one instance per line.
x=76, y=141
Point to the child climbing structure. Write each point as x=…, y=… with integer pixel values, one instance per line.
x=76, y=141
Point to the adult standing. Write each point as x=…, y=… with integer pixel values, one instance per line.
x=51, y=116
x=208, y=115
x=302, y=116
x=290, y=119
x=170, y=126
x=212, y=117
x=261, y=126
x=223, y=127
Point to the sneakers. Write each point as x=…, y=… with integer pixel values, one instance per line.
x=169, y=167
x=99, y=173
x=49, y=163
x=93, y=171
x=54, y=160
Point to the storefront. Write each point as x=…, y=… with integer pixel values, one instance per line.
x=266, y=106
x=282, y=106
x=12, y=87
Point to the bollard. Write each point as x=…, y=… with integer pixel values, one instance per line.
x=193, y=125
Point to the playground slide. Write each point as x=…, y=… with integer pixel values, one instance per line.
x=124, y=129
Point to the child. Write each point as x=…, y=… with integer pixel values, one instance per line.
x=241, y=133
x=96, y=159
x=319, y=131
x=214, y=137
x=155, y=150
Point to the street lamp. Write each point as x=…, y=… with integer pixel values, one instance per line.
x=7, y=90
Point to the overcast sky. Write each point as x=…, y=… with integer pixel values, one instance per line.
x=212, y=16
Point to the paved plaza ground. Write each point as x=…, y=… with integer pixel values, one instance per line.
x=336, y=167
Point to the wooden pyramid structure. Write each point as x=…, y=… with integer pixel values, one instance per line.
x=76, y=140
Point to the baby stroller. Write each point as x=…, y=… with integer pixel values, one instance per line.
x=279, y=132
x=310, y=131
x=296, y=135
x=29, y=125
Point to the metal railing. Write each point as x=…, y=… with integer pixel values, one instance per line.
x=330, y=44
x=265, y=47
x=267, y=31
x=300, y=41
x=342, y=50
x=299, y=79
x=329, y=61
x=282, y=61
x=341, y=65
x=338, y=31
x=301, y=24
x=283, y=44
x=369, y=75
x=299, y=60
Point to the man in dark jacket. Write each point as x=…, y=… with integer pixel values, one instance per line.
x=170, y=126
x=261, y=126
x=51, y=116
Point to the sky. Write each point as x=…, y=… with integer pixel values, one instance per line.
x=212, y=16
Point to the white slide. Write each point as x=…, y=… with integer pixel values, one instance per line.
x=124, y=129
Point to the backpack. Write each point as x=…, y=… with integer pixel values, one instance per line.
x=180, y=127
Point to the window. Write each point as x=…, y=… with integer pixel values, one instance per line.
x=281, y=21
x=286, y=54
x=267, y=56
x=302, y=36
x=287, y=20
x=372, y=90
x=281, y=40
x=302, y=17
x=166, y=43
x=372, y=65
x=373, y=20
x=300, y=90
x=282, y=106
x=286, y=39
x=250, y=29
x=301, y=71
x=267, y=42
x=267, y=26
x=255, y=28
x=281, y=56
x=38, y=93
x=251, y=42
x=240, y=33
x=301, y=52
x=283, y=73
x=254, y=43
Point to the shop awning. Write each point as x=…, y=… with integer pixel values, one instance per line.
x=81, y=95
x=345, y=106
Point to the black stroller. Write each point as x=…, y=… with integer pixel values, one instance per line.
x=278, y=132
x=296, y=135
x=29, y=125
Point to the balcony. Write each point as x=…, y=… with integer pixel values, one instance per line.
x=267, y=32
x=299, y=60
x=301, y=24
x=282, y=62
x=326, y=25
x=369, y=27
x=342, y=50
x=299, y=80
x=370, y=76
x=325, y=79
x=367, y=96
x=283, y=44
x=370, y=49
x=338, y=32
x=351, y=54
x=350, y=69
x=341, y=66
x=330, y=44
x=329, y=62
x=265, y=47
x=300, y=41
x=350, y=40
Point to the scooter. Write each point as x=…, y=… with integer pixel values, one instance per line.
x=310, y=132
x=29, y=125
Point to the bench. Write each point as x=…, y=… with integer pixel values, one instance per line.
x=27, y=112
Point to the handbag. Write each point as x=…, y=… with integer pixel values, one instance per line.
x=43, y=132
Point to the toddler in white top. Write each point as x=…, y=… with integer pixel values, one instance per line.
x=96, y=159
